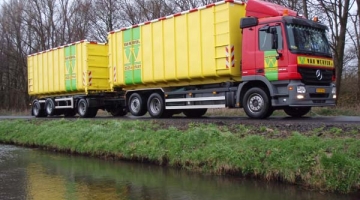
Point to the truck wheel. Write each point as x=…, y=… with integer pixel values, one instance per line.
x=270, y=112
x=37, y=111
x=84, y=110
x=195, y=113
x=256, y=103
x=297, y=111
x=50, y=107
x=156, y=106
x=118, y=112
x=137, y=106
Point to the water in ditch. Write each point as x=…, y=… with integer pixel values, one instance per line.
x=41, y=175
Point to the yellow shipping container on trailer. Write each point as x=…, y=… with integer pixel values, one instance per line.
x=200, y=46
x=77, y=68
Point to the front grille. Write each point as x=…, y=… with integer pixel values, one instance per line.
x=309, y=76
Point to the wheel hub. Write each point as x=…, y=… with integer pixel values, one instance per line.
x=135, y=105
x=155, y=106
x=256, y=103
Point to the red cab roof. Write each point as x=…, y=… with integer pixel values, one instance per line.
x=261, y=9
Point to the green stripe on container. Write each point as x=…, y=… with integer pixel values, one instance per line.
x=70, y=64
x=132, y=64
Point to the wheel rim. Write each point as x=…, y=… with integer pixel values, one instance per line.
x=135, y=105
x=155, y=106
x=255, y=103
x=82, y=108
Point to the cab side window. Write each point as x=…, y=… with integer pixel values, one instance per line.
x=266, y=39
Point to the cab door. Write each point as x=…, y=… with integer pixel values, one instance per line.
x=270, y=55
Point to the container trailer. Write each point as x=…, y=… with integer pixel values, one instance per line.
x=192, y=61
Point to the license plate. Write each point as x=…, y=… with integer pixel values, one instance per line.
x=320, y=90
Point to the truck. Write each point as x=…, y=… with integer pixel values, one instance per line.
x=192, y=61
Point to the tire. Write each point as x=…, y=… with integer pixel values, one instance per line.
x=118, y=112
x=195, y=113
x=270, y=112
x=137, y=105
x=156, y=106
x=69, y=112
x=256, y=103
x=297, y=111
x=36, y=109
x=50, y=107
x=84, y=110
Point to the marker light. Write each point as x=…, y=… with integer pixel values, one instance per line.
x=285, y=12
x=315, y=19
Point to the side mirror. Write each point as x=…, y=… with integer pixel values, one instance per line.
x=274, y=36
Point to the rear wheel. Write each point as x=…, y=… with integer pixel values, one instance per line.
x=137, y=105
x=256, y=103
x=37, y=111
x=297, y=111
x=195, y=113
x=156, y=106
x=84, y=110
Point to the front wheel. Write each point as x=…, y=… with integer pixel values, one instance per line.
x=137, y=105
x=84, y=110
x=256, y=103
x=297, y=111
x=37, y=111
x=50, y=107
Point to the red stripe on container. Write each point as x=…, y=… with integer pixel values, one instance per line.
x=210, y=5
x=193, y=10
x=177, y=14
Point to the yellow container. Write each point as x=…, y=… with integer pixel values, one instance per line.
x=200, y=46
x=78, y=68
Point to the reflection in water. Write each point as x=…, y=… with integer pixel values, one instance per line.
x=36, y=174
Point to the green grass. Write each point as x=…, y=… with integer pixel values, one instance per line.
x=329, y=162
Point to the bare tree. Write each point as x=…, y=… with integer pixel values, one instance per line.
x=355, y=37
x=336, y=14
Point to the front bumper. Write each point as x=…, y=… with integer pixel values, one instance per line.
x=315, y=96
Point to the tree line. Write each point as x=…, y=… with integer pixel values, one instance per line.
x=32, y=26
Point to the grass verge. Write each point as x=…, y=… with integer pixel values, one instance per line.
x=320, y=162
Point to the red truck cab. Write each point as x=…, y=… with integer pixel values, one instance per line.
x=290, y=55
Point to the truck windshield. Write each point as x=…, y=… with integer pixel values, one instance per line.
x=304, y=39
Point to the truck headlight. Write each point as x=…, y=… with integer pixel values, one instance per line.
x=301, y=89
